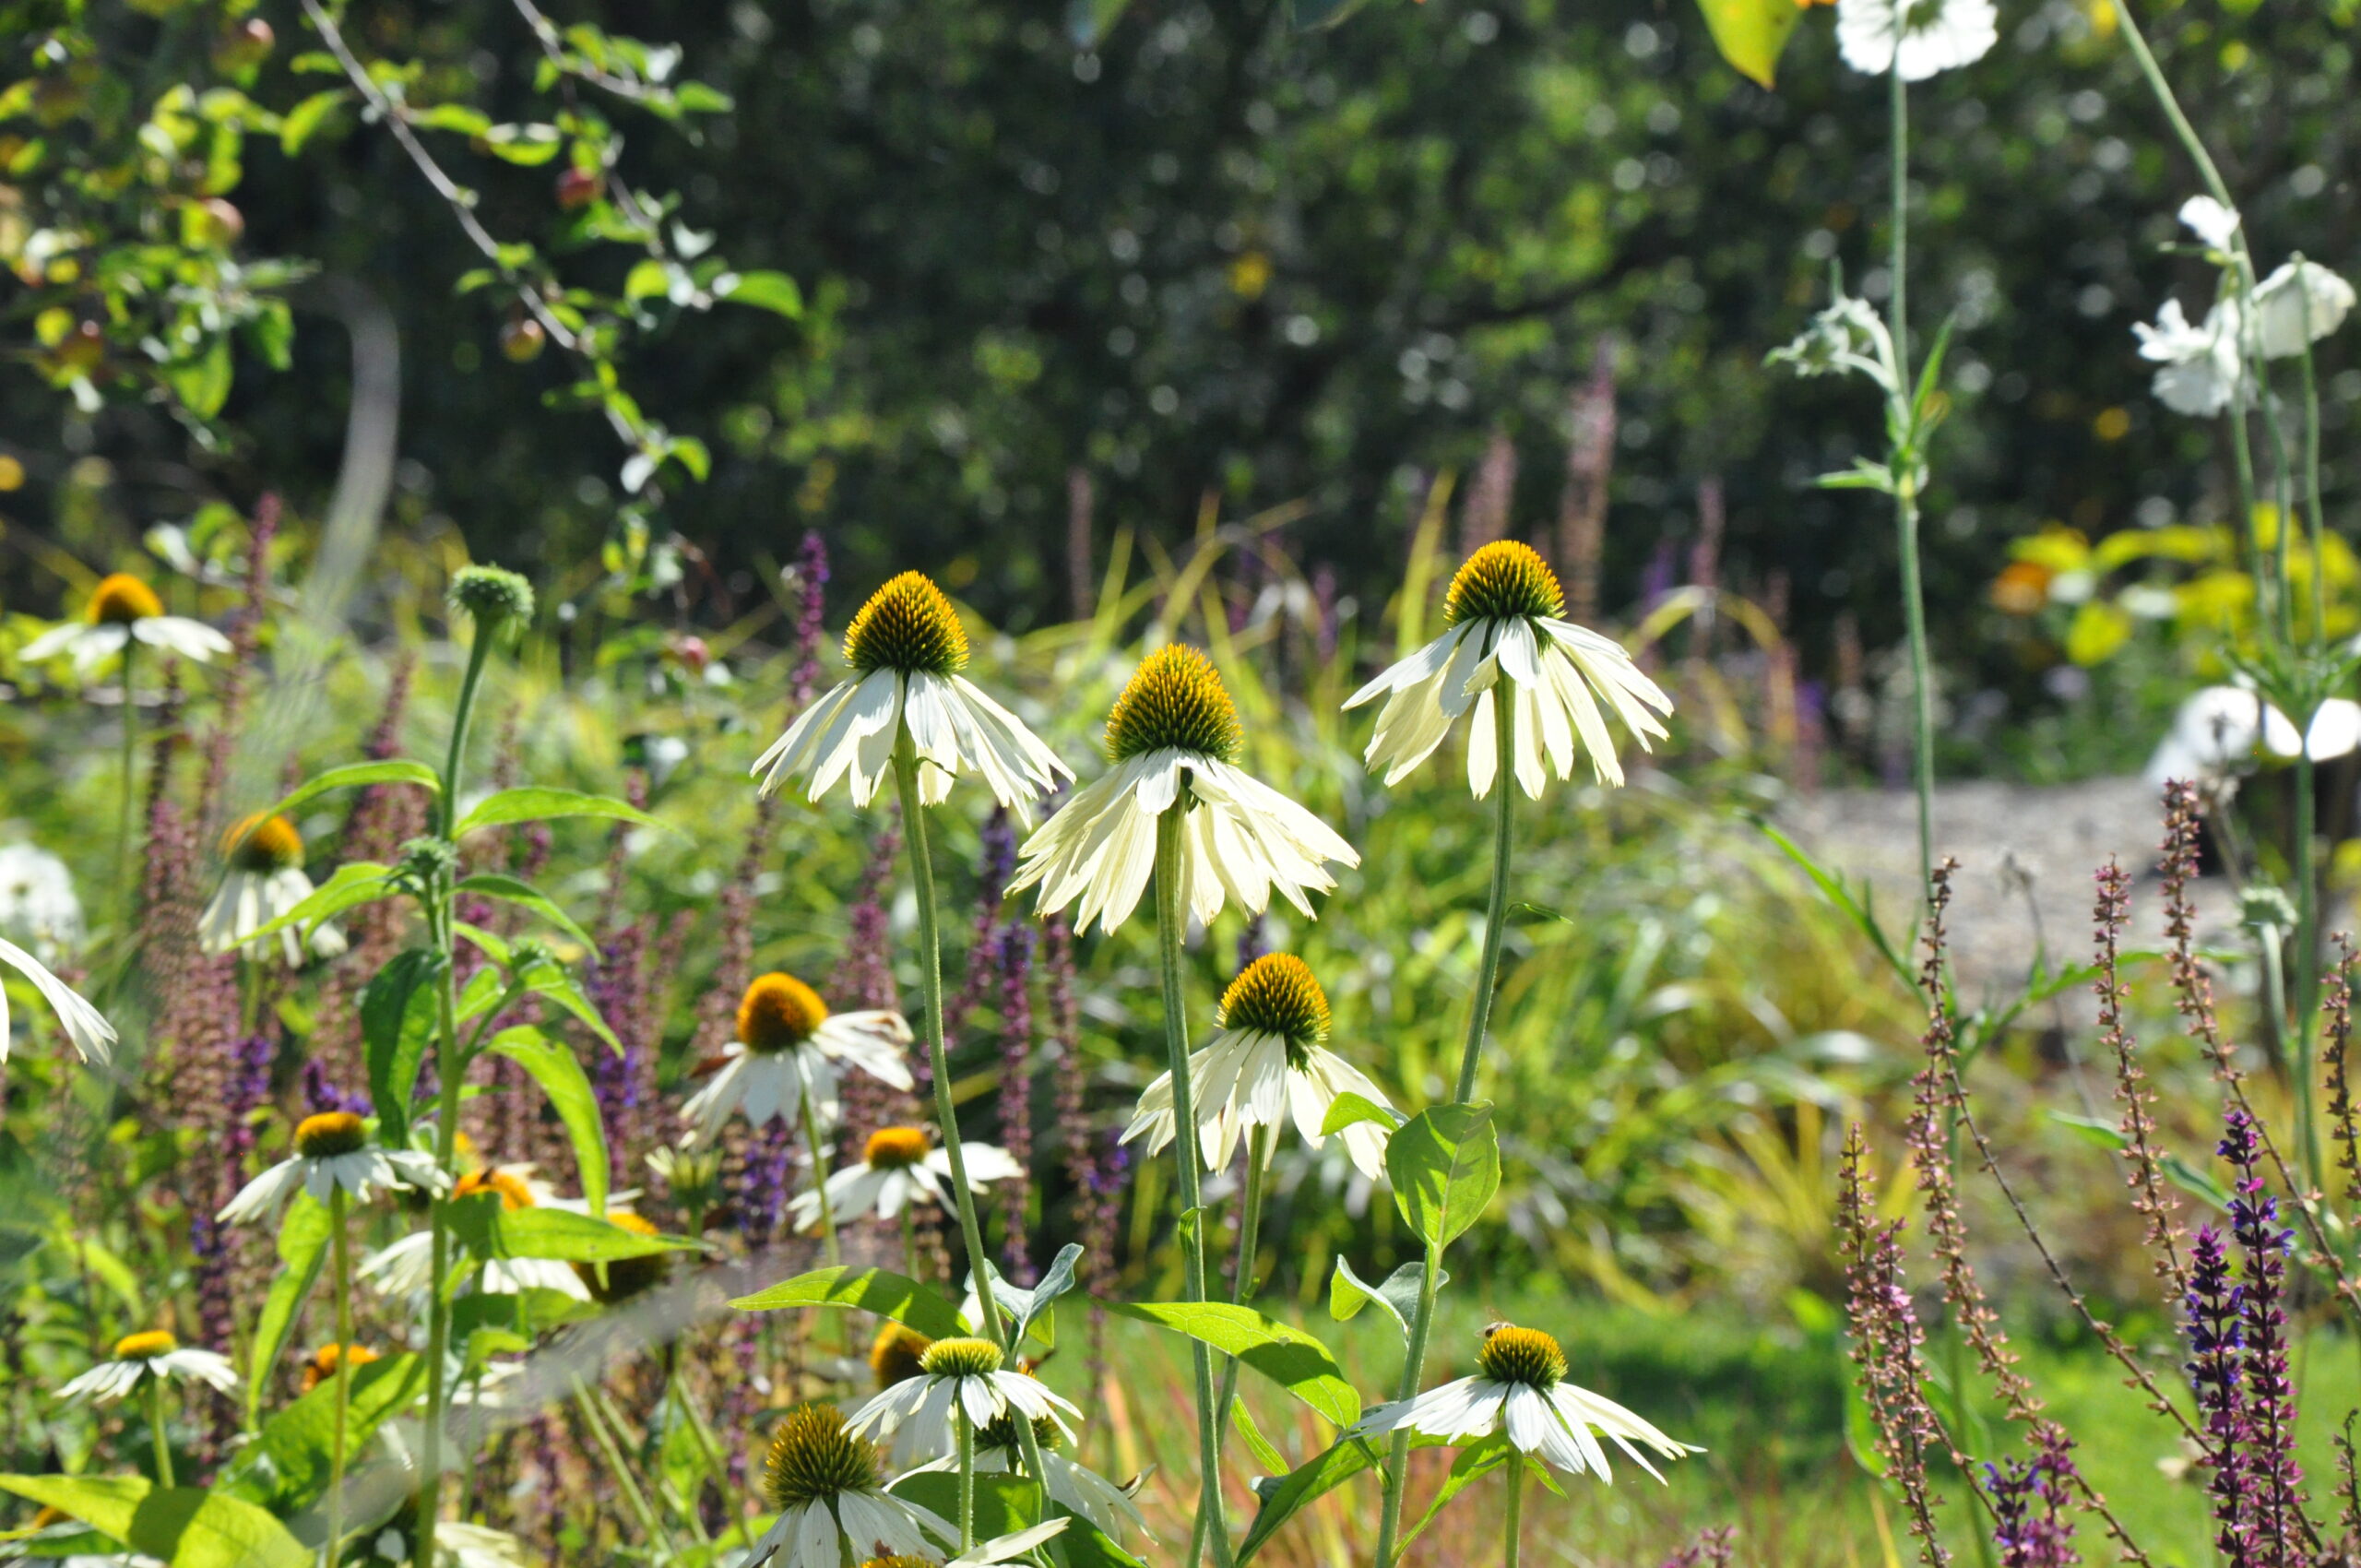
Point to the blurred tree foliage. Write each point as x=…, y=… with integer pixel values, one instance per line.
x=1206, y=258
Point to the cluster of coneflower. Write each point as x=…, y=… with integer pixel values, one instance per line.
x=1178, y=812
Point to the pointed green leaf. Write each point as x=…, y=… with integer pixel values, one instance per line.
x=536, y=803
x=552, y=1065
x=1313, y=1479
x=353, y=884
x=1288, y=1356
x=567, y=1237
x=1751, y=33
x=398, y=1019
x=1397, y=1297
x=773, y=292
x=1444, y=1164
x=353, y=776
x=286, y=1467
x=882, y=1291
x=510, y=890
x=186, y=1527
x=1350, y=1109
x=302, y=1245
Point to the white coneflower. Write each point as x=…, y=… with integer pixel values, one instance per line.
x=93, y=1035
x=36, y=901
x=1934, y=35
x=956, y=1375
x=828, y=1484
x=788, y=1046
x=264, y=881
x=154, y=1354
x=332, y=1150
x=906, y=648
x=406, y=1267
x=122, y=609
x=1522, y=1388
x=900, y=1166
x=2298, y=305
x=1266, y=1065
x=1503, y=618
x=1174, y=739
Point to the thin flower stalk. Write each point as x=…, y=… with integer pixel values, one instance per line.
x=1171, y=930
x=1480, y=1016
x=340, y=1274
x=1888, y=1346
x=2272, y=1475
x=2151, y=1200
x=1906, y=469
x=929, y=938
x=2210, y=1322
x=2337, y=1034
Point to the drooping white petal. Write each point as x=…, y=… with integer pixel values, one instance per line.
x=89, y=1032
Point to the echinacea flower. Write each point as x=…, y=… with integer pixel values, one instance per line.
x=37, y=900
x=2298, y=305
x=406, y=1267
x=1267, y=1062
x=123, y=609
x=828, y=1484
x=152, y=1354
x=2202, y=369
x=1501, y=618
x=265, y=880
x=956, y=1376
x=1934, y=35
x=1521, y=1387
x=1075, y=1487
x=788, y=1046
x=91, y=1036
x=897, y=1354
x=900, y=1166
x=1174, y=739
x=332, y=1152
x=906, y=649
x=324, y=1363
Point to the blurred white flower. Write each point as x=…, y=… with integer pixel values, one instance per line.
x=789, y=1046
x=37, y=902
x=139, y=1357
x=2216, y=731
x=899, y=1167
x=266, y=880
x=2209, y=221
x=2200, y=372
x=2298, y=305
x=122, y=609
x=93, y=1035
x=1935, y=35
x=333, y=1150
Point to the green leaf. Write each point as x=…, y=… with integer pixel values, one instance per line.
x=1444, y=1164
x=1397, y=1297
x=1288, y=1356
x=302, y=1245
x=525, y=145
x=1313, y=1479
x=287, y=1465
x=398, y=1019
x=1751, y=33
x=510, y=890
x=1474, y=1463
x=1028, y=1309
x=1834, y=889
x=305, y=119
x=353, y=884
x=1004, y=1503
x=536, y=803
x=459, y=117
x=352, y=776
x=553, y=981
x=567, y=1237
x=1349, y=1109
x=882, y=1291
x=552, y=1064
x=766, y=291
x=1266, y=1454
x=186, y=1527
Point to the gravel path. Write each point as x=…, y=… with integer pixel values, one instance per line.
x=2027, y=854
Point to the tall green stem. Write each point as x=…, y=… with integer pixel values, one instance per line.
x=341, y=1268
x=450, y=1068
x=610, y=1449
x=966, y=1476
x=1905, y=474
x=123, y=887
x=1480, y=1018
x=156, y=1430
x=1516, y=1525
x=820, y=1175
x=971, y=1230
x=1171, y=916
x=1259, y=1142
